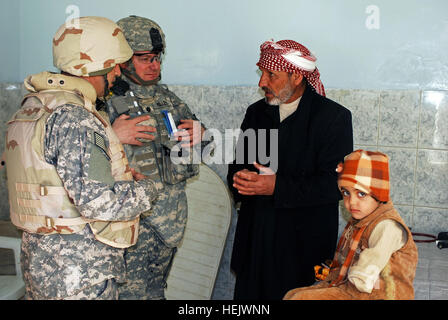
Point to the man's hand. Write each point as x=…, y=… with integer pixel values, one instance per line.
x=128, y=130
x=250, y=183
x=192, y=134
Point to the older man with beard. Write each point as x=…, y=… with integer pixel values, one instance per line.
x=288, y=219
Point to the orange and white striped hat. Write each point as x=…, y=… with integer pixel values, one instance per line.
x=367, y=171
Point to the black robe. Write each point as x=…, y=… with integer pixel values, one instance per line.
x=280, y=238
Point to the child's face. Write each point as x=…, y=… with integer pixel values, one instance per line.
x=358, y=203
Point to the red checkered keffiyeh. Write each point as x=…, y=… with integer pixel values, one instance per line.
x=292, y=57
x=367, y=171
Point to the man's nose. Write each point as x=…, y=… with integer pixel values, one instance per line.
x=262, y=82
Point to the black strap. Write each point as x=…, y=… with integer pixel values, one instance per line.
x=432, y=237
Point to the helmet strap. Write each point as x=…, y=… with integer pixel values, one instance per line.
x=106, y=86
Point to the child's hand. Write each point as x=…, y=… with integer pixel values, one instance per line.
x=339, y=167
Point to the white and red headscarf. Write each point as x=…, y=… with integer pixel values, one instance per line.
x=292, y=57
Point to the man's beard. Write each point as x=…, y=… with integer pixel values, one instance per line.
x=284, y=95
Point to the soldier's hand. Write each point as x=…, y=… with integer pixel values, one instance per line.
x=192, y=133
x=137, y=175
x=128, y=130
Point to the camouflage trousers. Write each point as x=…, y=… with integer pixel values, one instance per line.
x=148, y=263
x=106, y=290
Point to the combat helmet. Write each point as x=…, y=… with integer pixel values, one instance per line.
x=89, y=46
x=143, y=34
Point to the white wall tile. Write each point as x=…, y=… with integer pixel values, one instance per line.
x=401, y=172
x=433, y=131
x=364, y=105
x=430, y=220
x=432, y=179
x=399, y=113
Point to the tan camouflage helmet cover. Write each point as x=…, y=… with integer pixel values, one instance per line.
x=143, y=34
x=89, y=46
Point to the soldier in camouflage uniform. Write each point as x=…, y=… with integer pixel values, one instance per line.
x=162, y=228
x=70, y=187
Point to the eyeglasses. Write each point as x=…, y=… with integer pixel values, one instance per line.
x=148, y=58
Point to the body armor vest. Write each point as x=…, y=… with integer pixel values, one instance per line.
x=168, y=216
x=38, y=201
x=154, y=158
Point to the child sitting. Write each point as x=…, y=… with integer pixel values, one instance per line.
x=376, y=257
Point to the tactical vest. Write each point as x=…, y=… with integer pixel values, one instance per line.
x=38, y=201
x=154, y=158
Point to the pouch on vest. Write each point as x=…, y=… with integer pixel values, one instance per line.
x=118, y=234
x=177, y=163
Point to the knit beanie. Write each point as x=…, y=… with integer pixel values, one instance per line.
x=367, y=171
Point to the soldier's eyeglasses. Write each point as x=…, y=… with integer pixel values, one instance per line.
x=148, y=58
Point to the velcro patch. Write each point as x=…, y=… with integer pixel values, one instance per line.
x=100, y=142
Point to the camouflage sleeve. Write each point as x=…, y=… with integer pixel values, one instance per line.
x=69, y=149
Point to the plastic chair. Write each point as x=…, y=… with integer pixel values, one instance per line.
x=12, y=287
x=196, y=263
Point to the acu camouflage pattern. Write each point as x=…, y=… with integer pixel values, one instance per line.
x=61, y=266
x=107, y=290
x=137, y=32
x=148, y=264
x=161, y=228
x=75, y=48
x=169, y=213
x=72, y=267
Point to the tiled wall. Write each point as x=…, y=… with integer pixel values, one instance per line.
x=409, y=126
